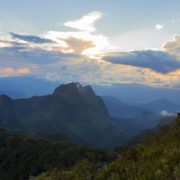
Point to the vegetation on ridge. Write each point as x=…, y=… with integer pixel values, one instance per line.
x=156, y=157
x=22, y=157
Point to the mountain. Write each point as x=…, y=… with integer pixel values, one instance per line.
x=73, y=110
x=132, y=118
x=130, y=126
x=137, y=93
x=148, y=119
x=162, y=105
x=117, y=108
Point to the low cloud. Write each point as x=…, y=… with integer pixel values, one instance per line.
x=30, y=38
x=168, y=114
x=23, y=71
x=156, y=60
x=9, y=71
x=22, y=55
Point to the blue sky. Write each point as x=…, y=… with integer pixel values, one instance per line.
x=121, y=16
x=93, y=41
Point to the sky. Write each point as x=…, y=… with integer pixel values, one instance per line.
x=101, y=42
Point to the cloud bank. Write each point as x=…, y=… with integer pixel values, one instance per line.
x=88, y=56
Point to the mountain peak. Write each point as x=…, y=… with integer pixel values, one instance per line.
x=74, y=87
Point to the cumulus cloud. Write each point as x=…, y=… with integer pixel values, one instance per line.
x=86, y=23
x=23, y=71
x=159, y=26
x=74, y=45
x=79, y=45
x=97, y=43
x=156, y=60
x=70, y=42
x=9, y=71
x=173, y=47
x=91, y=42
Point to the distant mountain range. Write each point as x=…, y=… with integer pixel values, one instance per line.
x=118, y=108
x=28, y=86
x=135, y=117
x=137, y=93
x=162, y=105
